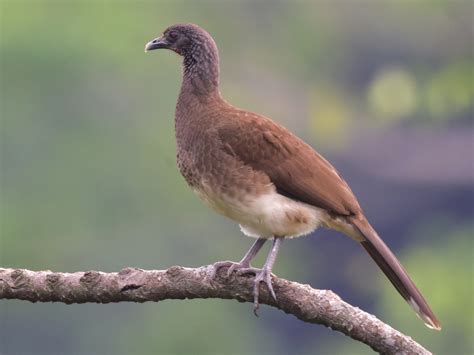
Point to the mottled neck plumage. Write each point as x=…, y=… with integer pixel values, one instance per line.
x=201, y=67
x=199, y=90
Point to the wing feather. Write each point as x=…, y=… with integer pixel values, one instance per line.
x=296, y=170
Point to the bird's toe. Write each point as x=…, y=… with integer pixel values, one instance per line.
x=222, y=264
x=265, y=276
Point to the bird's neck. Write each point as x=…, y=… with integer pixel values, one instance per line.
x=199, y=95
x=201, y=72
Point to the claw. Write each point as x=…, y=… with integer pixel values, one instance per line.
x=232, y=267
x=262, y=275
x=248, y=270
x=242, y=264
x=235, y=266
x=219, y=265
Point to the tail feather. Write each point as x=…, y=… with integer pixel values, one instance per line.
x=395, y=272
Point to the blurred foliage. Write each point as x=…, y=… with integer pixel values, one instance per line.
x=88, y=176
x=330, y=116
x=393, y=94
x=450, y=91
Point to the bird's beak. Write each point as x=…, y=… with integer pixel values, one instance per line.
x=157, y=43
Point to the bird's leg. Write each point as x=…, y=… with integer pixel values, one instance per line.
x=248, y=257
x=245, y=262
x=264, y=274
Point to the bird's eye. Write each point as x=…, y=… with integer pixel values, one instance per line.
x=173, y=35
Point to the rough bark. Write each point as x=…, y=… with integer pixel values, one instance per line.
x=136, y=285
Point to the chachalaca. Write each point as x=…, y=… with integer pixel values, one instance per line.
x=256, y=172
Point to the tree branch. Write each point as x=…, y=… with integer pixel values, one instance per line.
x=136, y=285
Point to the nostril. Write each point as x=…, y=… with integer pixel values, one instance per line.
x=154, y=41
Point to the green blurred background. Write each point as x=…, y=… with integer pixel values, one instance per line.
x=88, y=175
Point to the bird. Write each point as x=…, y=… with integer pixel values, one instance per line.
x=256, y=172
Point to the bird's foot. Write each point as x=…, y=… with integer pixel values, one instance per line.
x=232, y=266
x=261, y=275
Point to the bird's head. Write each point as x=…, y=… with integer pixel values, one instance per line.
x=199, y=52
x=183, y=39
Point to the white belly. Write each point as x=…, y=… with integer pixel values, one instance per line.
x=267, y=215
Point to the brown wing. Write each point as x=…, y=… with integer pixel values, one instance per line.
x=294, y=167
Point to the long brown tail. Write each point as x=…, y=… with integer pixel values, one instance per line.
x=395, y=272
